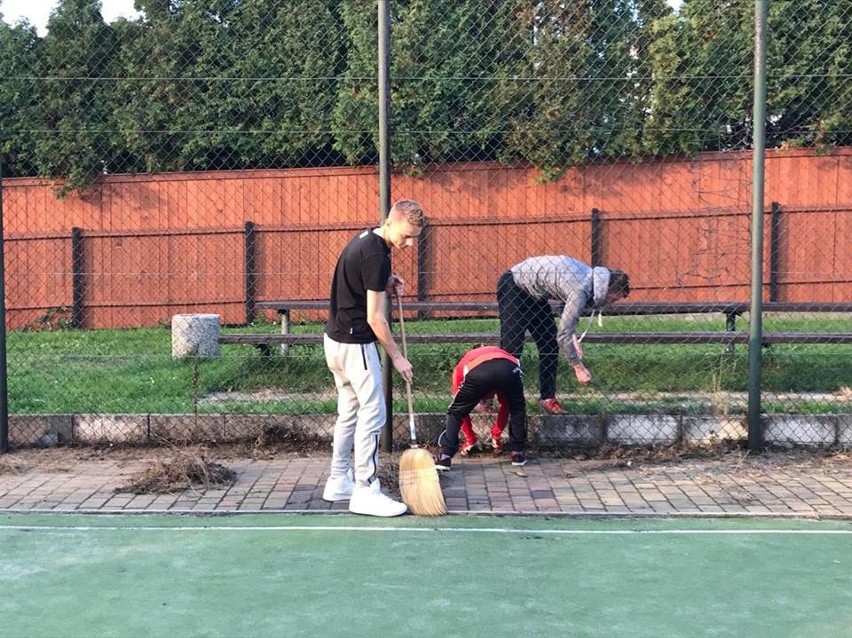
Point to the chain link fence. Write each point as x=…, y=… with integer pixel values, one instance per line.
x=213, y=158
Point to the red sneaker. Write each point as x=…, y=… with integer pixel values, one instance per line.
x=496, y=444
x=551, y=406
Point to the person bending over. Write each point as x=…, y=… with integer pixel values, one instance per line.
x=483, y=372
x=523, y=298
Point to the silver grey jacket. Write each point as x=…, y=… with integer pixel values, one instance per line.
x=568, y=280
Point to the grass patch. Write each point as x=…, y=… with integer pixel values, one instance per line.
x=132, y=371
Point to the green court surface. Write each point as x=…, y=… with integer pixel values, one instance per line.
x=257, y=576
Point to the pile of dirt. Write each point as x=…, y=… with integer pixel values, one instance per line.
x=11, y=465
x=188, y=468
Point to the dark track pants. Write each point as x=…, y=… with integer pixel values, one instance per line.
x=496, y=375
x=519, y=312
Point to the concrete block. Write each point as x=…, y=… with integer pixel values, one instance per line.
x=195, y=335
x=187, y=428
x=711, y=429
x=568, y=429
x=41, y=430
x=816, y=430
x=642, y=429
x=110, y=428
x=844, y=430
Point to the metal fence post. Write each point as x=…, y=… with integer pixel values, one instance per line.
x=4, y=393
x=422, y=266
x=78, y=278
x=774, y=250
x=384, y=188
x=597, y=238
x=251, y=270
x=755, y=339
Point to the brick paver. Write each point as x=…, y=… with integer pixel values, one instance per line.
x=481, y=485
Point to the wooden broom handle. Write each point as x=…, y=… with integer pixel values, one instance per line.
x=407, y=383
x=402, y=326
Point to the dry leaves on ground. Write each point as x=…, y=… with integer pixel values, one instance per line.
x=11, y=465
x=723, y=456
x=188, y=468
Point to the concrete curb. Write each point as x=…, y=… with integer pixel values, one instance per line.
x=788, y=430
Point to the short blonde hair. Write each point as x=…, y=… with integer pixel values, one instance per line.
x=409, y=210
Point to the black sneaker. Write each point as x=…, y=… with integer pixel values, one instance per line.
x=519, y=459
x=443, y=463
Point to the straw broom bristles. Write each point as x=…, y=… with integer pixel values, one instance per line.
x=418, y=482
x=419, y=485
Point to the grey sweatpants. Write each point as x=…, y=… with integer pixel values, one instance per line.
x=361, y=410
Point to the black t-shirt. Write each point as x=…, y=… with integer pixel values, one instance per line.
x=364, y=265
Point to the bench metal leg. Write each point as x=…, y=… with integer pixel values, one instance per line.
x=285, y=329
x=730, y=326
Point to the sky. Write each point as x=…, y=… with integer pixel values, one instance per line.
x=37, y=11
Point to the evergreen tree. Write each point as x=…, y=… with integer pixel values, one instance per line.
x=279, y=66
x=19, y=70
x=162, y=120
x=75, y=136
x=445, y=55
x=809, y=66
x=710, y=100
x=356, y=129
x=580, y=92
x=233, y=85
x=220, y=84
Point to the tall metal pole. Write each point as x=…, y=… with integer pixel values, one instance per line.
x=4, y=393
x=755, y=355
x=384, y=188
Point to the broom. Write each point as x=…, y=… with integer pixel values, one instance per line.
x=418, y=478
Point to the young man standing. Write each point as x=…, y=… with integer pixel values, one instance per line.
x=357, y=320
x=482, y=373
x=523, y=297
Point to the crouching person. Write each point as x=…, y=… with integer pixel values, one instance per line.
x=480, y=374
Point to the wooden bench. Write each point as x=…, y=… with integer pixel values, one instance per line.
x=265, y=341
x=730, y=309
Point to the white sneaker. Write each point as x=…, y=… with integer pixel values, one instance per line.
x=368, y=500
x=338, y=488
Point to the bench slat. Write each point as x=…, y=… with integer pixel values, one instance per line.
x=723, y=337
x=621, y=308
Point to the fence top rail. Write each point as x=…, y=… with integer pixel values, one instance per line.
x=619, y=308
